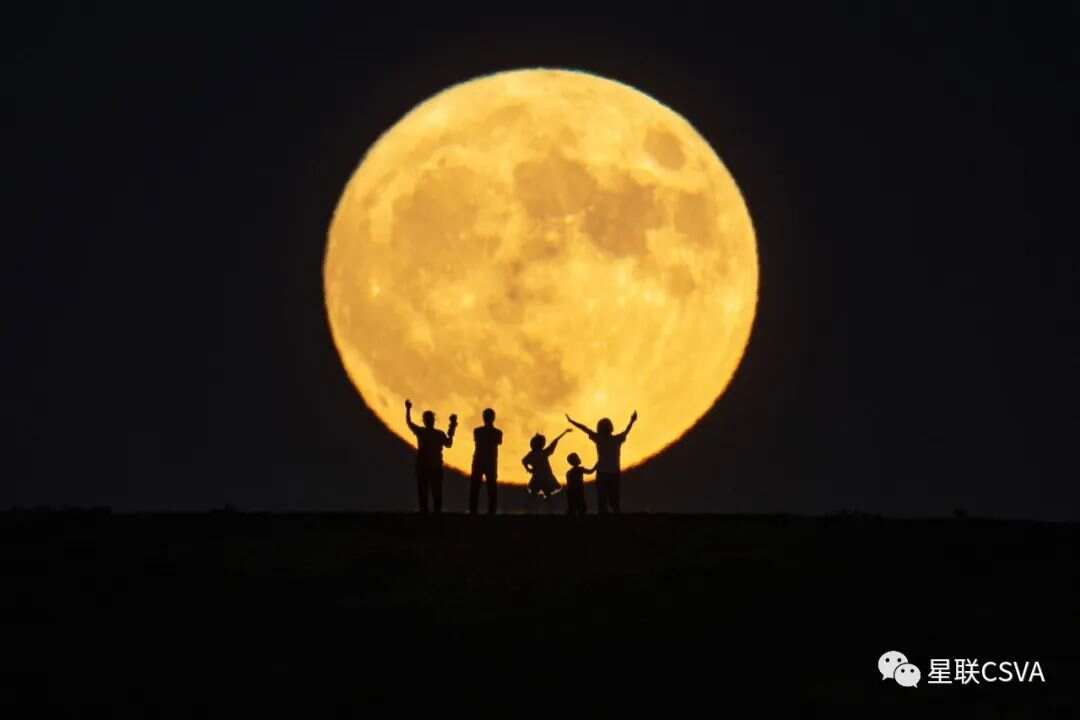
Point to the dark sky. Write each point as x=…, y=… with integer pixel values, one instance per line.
x=911, y=175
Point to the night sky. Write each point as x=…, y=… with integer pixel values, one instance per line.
x=911, y=176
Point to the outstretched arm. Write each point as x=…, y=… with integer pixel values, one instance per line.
x=580, y=427
x=589, y=471
x=408, y=417
x=633, y=419
x=551, y=446
x=450, y=433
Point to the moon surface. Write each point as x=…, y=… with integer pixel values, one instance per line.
x=542, y=242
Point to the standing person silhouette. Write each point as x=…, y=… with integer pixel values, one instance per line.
x=429, y=462
x=608, y=471
x=485, y=463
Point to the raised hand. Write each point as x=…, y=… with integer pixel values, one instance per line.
x=408, y=404
x=453, y=419
x=633, y=418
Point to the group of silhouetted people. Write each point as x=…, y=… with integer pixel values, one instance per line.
x=542, y=482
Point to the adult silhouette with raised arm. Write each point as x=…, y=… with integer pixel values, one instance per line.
x=485, y=463
x=430, y=442
x=608, y=473
x=542, y=484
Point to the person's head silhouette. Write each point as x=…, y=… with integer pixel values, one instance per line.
x=604, y=427
x=573, y=459
x=429, y=419
x=489, y=417
x=538, y=441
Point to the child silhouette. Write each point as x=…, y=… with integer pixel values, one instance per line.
x=542, y=484
x=575, y=485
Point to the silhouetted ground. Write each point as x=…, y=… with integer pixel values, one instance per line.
x=187, y=613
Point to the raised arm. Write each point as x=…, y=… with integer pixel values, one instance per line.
x=589, y=471
x=580, y=427
x=408, y=417
x=450, y=433
x=633, y=419
x=551, y=446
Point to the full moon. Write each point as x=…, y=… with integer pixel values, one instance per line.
x=542, y=242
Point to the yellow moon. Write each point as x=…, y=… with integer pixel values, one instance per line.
x=542, y=242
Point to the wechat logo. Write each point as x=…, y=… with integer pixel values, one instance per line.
x=895, y=665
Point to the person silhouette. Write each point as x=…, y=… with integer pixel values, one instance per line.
x=430, y=442
x=608, y=472
x=542, y=484
x=485, y=463
x=575, y=485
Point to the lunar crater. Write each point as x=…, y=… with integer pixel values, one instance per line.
x=553, y=187
x=664, y=148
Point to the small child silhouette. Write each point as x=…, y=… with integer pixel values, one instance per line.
x=575, y=485
x=542, y=484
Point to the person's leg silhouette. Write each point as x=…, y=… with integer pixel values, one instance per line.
x=474, y=491
x=613, y=489
x=422, y=489
x=601, y=493
x=574, y=500
x=492, y=477
x=436, y=489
